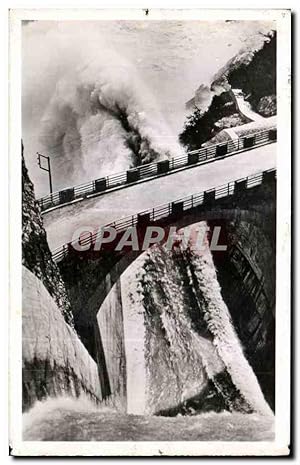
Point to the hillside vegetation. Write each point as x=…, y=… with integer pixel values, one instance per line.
x=252, y=71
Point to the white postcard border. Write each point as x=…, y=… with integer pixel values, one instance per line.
x=283, y=330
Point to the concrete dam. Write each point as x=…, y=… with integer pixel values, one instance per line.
x=132, y=345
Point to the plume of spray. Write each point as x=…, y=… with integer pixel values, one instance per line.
x=99, y=118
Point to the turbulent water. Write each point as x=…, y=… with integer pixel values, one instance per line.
x=79, y=420
x=101, y=96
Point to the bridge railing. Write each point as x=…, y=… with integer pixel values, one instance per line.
x=163, y=167
x=172, y=208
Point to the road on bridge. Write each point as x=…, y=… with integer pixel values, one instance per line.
x=62, y=223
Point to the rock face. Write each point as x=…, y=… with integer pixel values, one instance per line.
x=253, y=71
x=36, y=255
x=267, y=106
x=200, y=127
x=55, y=362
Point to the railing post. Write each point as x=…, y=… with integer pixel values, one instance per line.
x=163, y=166
x=100, y=185
x=143, y=218
x=177, y=207
x=192, y=158
x=269, y=176
x=209, y=197
x=249, y=141
x=221, y=150
x=272, y=135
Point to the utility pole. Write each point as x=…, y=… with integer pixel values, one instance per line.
x=47, y=168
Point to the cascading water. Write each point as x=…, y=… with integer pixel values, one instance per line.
x=182, y=351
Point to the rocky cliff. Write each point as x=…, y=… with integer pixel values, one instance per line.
x=253, y=71
x=55, y=362
x=36, y=255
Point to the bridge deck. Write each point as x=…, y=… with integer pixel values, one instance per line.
x=95, y=212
